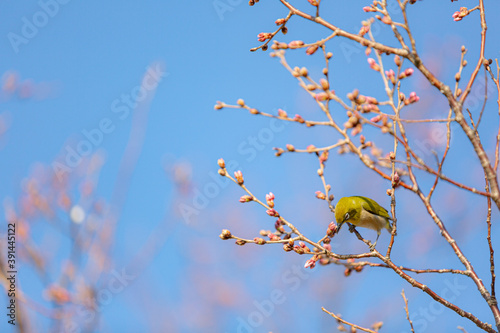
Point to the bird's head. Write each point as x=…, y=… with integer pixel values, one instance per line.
x=347, y=210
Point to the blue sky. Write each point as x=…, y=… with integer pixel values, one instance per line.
x=84, y=57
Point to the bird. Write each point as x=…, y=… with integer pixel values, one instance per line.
x=362, y=212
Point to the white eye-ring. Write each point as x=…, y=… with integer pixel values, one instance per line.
x=346, y=216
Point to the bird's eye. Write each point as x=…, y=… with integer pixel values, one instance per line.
x=346, y=216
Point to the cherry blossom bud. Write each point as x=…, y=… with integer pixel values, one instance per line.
x=397, y=60
x=239, y=177
x=295, y=44
x=259, y=241
x=313, y=2
x=272, y=212
x=310, y=264
x=311, y=49
x=396, y=180
x=263, y=36
x=373, y=64
x=321, y=97
x=320, y=195
x=282, y=113
x=310, y=148
x=280, y=21
x=324, y=84
x=299, y=119
x=226, y=234
x=298, y=249
x=221, y=163
x=386, y=19
x=245, y=198
x=241, y=102
x=287, y=247
x=368, y=9
x=328, y=247
x=290, y=147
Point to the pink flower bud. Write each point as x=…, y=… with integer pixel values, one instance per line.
x=272, y=212
x=239, y=177
x=245, y=198
x=310, y=264
x=311, y=49
x=282, y=113
x=373, y=64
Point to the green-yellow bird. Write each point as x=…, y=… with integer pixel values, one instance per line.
x=362, y=212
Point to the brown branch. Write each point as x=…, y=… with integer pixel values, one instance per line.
x=406, y=310
x=339, y=319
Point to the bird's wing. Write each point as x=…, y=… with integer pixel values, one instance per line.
x=371, y=206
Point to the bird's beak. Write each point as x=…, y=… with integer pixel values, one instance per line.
x=339, y=226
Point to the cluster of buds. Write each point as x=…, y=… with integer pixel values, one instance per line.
x=410, y=100
x=351, y=267
x=386, y=125
x=298, y=72
x=222, y=165
x=273, y=237
x=365, y=27
x=270, y=199
x=332, y=229
x=458, y=16
x=354, y=123
x=407, y=72
x=391, y=76
x=263, y=36
x=225, y=234
x=288, y=246
x=301, y=248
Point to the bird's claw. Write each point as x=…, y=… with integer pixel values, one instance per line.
x=351, y=227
